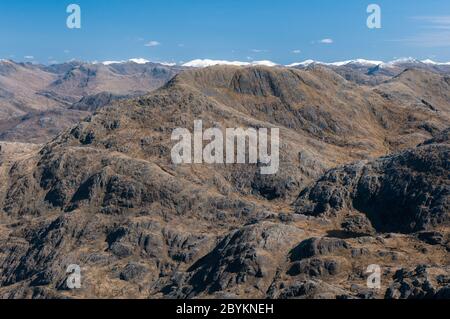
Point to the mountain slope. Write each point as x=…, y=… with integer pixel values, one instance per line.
x=19, y=84
x=407, y=192
x=105, y=194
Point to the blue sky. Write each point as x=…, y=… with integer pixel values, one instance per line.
x=182, y=30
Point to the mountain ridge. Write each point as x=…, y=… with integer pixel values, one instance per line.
x=104, y=193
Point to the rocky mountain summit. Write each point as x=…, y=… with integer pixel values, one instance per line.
x=363, y=180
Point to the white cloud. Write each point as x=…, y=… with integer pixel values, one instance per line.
x=29, y=57
x=66, y=51
x=152, y=44
x=435, y=32
x=326, y=41
x=435, y=22
x=296, y=51
x=259, y=51
x=436, y=39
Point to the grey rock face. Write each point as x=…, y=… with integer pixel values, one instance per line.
x=248, y=255
x=358, y=225
x=133, y=271
x=311, y=289
x=417, y=284
x=406, y=193
x=318, y=247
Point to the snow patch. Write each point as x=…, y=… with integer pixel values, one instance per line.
x=139, y=61
x=135, y=60
x=304, y=63
x=339, y=63
x=203, y=63
x=264, y=62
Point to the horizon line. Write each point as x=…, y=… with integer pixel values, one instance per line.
x=197, y=63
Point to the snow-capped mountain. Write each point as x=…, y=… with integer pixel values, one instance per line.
x=369, y=63
x=431, y=62
x=138, y=61
x=134, y=60
x=203, y=63
x=264, y=62
x=304, y=63
x=361, y=62
x=404, y=60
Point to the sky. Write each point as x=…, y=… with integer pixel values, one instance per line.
x=283, y=31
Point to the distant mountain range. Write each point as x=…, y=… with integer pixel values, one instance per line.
x=199, y=63
x=38, y=101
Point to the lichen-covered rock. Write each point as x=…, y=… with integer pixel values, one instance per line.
x=420, y=283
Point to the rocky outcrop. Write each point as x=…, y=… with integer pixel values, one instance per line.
x=244, y=261
x=38, y=102
x=421, y=283
x=407, y=192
